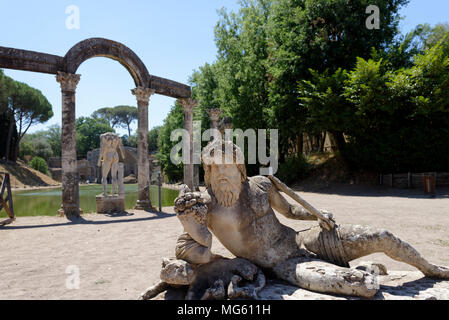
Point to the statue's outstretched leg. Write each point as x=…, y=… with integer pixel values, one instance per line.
x=320, y=276
x=359, y=241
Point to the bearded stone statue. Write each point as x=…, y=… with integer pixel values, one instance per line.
x=239, y=211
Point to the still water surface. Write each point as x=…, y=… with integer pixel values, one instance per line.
x=48, y=201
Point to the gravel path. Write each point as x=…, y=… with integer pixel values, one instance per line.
x=118, y=257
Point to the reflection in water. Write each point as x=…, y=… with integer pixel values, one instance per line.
x=48, y=201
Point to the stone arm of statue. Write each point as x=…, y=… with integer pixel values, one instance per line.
x=194, y=245
x=291, y=211
x=100, y=155
x=121, y=150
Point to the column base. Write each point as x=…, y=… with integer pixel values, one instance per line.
x=69, y=211
x=143, y=205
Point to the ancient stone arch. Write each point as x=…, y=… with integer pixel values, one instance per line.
x=99, y=47
x=146, y=85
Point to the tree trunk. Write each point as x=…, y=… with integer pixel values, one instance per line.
x=339, y=140
x=300, y=144
x=323, y=141
x=8, y=140
x=16, y=150
x=309, y=143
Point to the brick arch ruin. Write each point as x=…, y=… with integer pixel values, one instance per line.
x=65, y=69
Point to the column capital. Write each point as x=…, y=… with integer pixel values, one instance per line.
x=214, y=114
x=188, y=104
x=68, y=81
x=143, y=94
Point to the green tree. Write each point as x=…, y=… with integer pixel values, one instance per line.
x=119, y=116
x=39, y=164
x=241, y=72
x=400, y=118
x=130, y=141
x=153, y=137
x=54, y=138
x=7, y=122
x=174, y=120
x=429, y=36
x=88, y=131
x=327, y=109
x=320, y=35
x=237, y=82
x=39, y=144
x=125, y=116
x=25, y=149
x=108, y=114
x=27, y=106
x=4, y=92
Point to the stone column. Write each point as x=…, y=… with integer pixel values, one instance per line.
x=143, y=99
x=70, y=178
x=214, y=116
x=187, y=106
x=120, y=177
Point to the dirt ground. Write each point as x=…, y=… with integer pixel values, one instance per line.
x=118, y=257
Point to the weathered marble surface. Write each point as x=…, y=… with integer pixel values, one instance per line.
x=397, y=285
x=11, y=58
x=110, y=204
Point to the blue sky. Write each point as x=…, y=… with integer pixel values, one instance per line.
x=172, y=38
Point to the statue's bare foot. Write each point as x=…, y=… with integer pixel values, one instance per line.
x=153, y=291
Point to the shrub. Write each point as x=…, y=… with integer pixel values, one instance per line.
x=293, y=169
x=39, y=164
x=26, y=149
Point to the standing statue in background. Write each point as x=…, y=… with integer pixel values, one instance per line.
x=108, y=159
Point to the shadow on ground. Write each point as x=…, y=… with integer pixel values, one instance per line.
x=118, y=218
x=370, y=191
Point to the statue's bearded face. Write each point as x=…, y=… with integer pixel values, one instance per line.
x=226, y=183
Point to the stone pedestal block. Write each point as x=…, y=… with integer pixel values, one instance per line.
x=110, y=204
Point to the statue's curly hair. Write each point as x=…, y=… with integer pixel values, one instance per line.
x=208, y=157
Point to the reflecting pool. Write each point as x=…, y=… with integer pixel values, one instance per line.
x=47, y=202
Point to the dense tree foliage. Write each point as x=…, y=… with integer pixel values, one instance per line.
x=107, y=114
x=36, y=145
x=53, y=135
x=119, y=116
x=174, y=120
x=21, y=106
x=311, y=67
x=153, y=138
x=88, y=131
x=268, y=46
x=393, y=120
x=39, y=164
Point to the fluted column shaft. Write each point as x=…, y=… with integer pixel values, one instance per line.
x=70, y=178
x=143, y=98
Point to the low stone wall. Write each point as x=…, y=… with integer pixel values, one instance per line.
x=55, y=162
x=413, y=180
x=56, y=174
